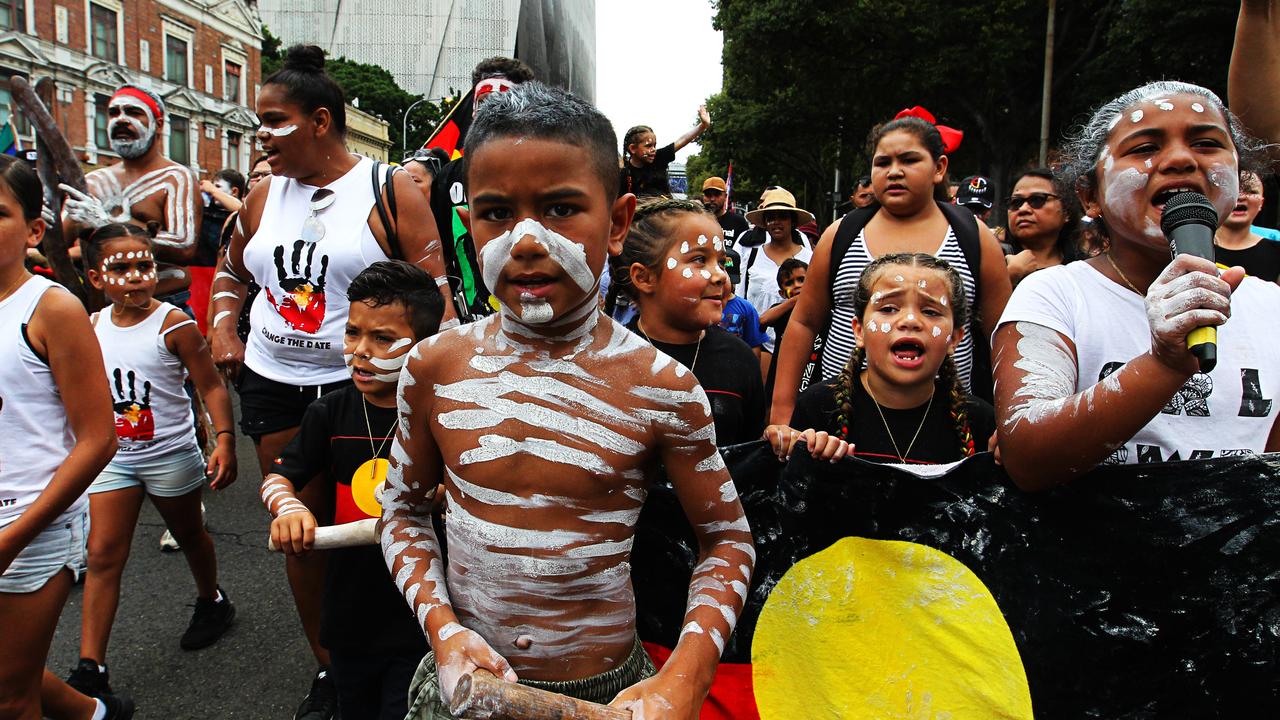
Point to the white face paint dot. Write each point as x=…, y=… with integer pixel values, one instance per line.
x=1147, y=162
x=671, y=263
x=924, y=283
x=937, y=331
x=872, y=327
x=1197, y=107
x=911, y=316
x=129, y=255
x=898, y=278
x=884, y=327
x=1165, y=105
x=943, y=300
x=702, y=239
x=684, y=247
x=687, y=273
x=705, y=274
x=1136, y=116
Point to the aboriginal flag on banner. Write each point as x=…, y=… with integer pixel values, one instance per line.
x=451, y=133
x=1135, y=591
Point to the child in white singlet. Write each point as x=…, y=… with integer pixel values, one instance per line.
x=149, y=348
x=55, y=436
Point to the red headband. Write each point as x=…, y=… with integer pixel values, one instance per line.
x=142, y=97
x=950, y=136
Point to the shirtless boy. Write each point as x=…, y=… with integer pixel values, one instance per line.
x=142, y=188
x=545, y=440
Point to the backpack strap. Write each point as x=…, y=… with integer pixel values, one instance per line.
x=846, y=233
x=386, y=206
x=965, y=224
x=746, y=269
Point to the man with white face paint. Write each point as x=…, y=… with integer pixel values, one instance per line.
x=143, y=188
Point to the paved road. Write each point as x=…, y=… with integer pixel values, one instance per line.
x=259, y=670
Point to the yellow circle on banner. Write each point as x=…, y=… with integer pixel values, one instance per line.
x=366, y=483
x=885, y=629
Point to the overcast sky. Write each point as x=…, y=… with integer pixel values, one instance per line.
x=655, y=63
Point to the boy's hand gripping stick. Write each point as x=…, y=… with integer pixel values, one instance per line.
x=360, y=532
x=482, y=696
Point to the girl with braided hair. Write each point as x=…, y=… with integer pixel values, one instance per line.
x=644, y=164
x=899, y=398
x=671, y=266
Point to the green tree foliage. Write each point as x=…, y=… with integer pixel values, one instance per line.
x=374, y=88
x=805, y=80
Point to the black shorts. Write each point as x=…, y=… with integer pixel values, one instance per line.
x=267, y=406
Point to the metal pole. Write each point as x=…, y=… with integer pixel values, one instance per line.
x=404, y=127
x=835, y=191
x=1048, y=85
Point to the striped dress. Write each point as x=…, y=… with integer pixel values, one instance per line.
x=840, y=342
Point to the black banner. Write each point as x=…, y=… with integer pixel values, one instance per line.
x=1135, y=591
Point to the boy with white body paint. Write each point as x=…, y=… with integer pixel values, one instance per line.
x=142, y=188
x=544, y=443
x=344, y=440
x=1091, y=361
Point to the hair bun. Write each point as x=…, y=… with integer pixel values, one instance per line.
x=305, y=58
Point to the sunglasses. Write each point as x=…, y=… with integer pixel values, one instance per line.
x=431, y=161
x=1035, y=200
x=258, y=175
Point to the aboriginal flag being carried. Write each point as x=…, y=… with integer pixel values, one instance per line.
x=1135, y=591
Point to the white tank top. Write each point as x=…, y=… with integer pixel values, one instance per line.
x=298, y=320
x=153, y=412
x=35, y=437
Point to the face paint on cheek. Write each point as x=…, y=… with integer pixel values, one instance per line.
x=1227, y=180
x=671, y=263
x=937, y=331
x=687, y=273
x=884, y=327
x=1122, y=196
x=706, y=274
x=285, y=131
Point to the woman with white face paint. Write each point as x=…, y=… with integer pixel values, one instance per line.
x=1091, y=358
x=302, y=235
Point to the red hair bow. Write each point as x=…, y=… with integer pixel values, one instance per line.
x=950, y=136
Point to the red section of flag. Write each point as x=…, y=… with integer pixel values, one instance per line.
x=731, y=696
x=451, y=133
x=728, y=186
x=346, y=510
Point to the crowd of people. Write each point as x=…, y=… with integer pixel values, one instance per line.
x=494, y=356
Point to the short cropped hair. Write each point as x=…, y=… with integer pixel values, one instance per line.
x=789, y=266
x=396, y=281
x=535, y=110
x=499, y=66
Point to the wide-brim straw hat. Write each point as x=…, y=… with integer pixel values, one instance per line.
x=779, y=201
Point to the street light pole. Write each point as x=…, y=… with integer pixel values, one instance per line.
x=404, y=127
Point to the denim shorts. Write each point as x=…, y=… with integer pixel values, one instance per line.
x=172, y=475
x=62, y=544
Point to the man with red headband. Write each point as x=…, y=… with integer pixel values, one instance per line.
x=449, y=194
x=143, y=188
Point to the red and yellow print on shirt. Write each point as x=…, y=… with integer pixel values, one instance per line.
x=134, y=419
x=359, y=500
x=301, y=304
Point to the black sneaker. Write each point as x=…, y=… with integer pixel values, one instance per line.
x=209, y=622
x=119, y=707
x=87, y=679
x=322, y=702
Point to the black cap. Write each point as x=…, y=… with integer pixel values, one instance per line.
x=975, y=190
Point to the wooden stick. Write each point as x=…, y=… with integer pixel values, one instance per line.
x=482, y=696
x=55, y=163
x=352, y=534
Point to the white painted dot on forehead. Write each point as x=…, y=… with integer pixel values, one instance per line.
x=1164, y=105
x=671, y=263
x=687, y=273
x=899, y=278
x=1136, y=116
x=702, y=239
x=684, y=247
x=875, y=297
x=129, y=255
x=717, y=243
x=1197, y=107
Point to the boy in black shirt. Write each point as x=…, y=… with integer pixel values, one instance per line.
x=373, y=639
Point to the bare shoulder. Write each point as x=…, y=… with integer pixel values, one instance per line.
x=58, y=305
x=445, y=348
x=174, y=316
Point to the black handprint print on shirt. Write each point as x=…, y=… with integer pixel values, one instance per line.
x=302, y=306
x=134, y=420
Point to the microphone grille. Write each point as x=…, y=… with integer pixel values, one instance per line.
x=1188, y=208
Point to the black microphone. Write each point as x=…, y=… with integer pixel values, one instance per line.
x=1189, y=222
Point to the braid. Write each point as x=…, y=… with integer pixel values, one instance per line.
x=844, y=392
x=949, y=379
x=630, y=138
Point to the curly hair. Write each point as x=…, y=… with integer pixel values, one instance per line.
x=647, y=243
x=948, y=378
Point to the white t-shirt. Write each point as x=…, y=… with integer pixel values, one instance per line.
x=762, y=288
x=1229, y=411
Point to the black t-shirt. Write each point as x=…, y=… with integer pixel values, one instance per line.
x=730, y=374
x=937, y=442
x=650, y=179
x=448, y=195
x=733, y=225
x=361, y=609
x=1261, y=261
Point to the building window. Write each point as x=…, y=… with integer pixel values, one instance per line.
x=144, y=56
x=233, y=150
x=13, y=15
x=101, y=138
x=231, y=82
x=179, y=140
x=175, y=60
x=103, y=23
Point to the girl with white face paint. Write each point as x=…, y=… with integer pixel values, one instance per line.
x=150, y=348
x=1091, y=358
x=671, y=266
x=907, y=405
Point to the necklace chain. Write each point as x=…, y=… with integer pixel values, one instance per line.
x=377, y=451
x=697, y=348
x=901, y=456
x=1124, y=277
